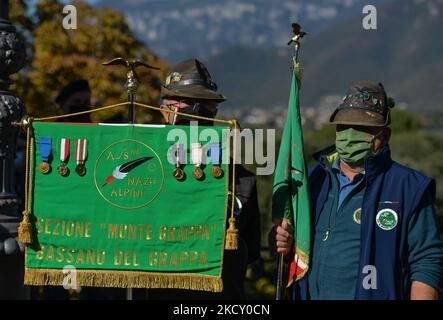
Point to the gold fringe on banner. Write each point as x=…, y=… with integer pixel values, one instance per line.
x=125, y=279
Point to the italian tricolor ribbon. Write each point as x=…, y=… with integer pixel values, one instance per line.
x=64, y=149
x=80, y=151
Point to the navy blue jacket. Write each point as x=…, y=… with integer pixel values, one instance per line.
x=389, y=185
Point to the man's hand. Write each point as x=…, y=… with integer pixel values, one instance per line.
x=280, y=238
x=284, y=237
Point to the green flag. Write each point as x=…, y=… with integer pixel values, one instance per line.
x=125, y=219
x=290, y=192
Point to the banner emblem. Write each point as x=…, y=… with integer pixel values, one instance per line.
x=128, y=174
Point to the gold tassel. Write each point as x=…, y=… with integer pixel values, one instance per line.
x=25, y=229
x=231, y=236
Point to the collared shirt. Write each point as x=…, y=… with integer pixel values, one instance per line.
x=345, y=185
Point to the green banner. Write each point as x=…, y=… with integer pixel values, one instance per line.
x=120, y=215
x=290, y=198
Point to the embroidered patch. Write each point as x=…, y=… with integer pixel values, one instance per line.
x=387, y=219
x=357, y=216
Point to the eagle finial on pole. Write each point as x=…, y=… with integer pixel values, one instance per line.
x=298, y=35
x=132, y=82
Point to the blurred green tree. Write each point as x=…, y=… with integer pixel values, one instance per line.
x=58, y=56
x=405, y=121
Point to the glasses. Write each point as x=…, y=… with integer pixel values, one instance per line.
x=178, y=104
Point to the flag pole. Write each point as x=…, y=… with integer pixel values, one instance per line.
x=280, y=261
x=298, y=34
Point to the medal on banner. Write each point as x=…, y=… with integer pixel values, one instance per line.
x=214, y=155
x=80, y=156
x=64, y=154
x=197, y=159
x=45, y=147
x=178, y=156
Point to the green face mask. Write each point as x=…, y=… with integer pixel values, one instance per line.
x=353, y=145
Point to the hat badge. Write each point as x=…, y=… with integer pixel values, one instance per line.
x=173, y=77
x=362, y=95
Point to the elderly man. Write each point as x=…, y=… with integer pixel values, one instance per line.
x=375, y=231
x=189, y=89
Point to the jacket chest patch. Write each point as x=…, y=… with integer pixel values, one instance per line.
x=357, y=216
x=387, y=219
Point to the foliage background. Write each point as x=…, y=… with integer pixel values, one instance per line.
x=57, y=56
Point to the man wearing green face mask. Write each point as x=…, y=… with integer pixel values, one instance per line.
x=354, y=144
x=375, y=231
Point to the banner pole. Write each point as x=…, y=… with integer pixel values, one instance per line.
x=131, y=112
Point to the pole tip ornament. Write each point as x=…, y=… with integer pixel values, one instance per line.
x=24, y=122
x=298, y=34
x=132, y=83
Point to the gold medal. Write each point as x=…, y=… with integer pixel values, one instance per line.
x=217, y=172
x=44, y=167
x=178, y=174
x=63, y=169
x=197, y=173
x=80, y=169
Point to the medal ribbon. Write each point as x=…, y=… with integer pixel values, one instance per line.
x=80, y=151
x=45, y=146
x=177, y=154
x=64, y=150
x=214, y=153
x=197, y=154
x=174, y=115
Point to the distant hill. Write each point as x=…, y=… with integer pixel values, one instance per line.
x=252, y=77
x=178, y=29
x=405, y=53
x=243, y=44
